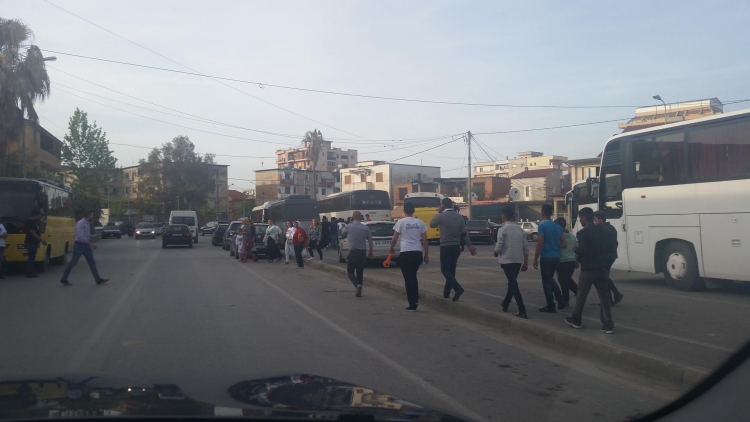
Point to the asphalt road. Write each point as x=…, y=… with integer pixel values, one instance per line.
x=198, y=318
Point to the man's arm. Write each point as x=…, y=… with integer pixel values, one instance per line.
x=370, y=242
x=394, y=239
x=563, y=241
x=538, y=250
x=500, y=241
x=35, y=235
x=435, y=222
x=425, y=247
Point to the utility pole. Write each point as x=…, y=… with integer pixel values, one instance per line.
x=468, y=178
x=216, y=199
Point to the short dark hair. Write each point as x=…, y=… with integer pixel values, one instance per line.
x=587, y=213
x=88, y=213
x=561, y=222
x=35, y=212
x=508, y=212
x=447, y=202
x=547, y=210
x=409, y=208
x=600, y=215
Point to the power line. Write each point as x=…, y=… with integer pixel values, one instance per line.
x=217, y=155
x=552, y=127
x=488, y=147
x=428, y=149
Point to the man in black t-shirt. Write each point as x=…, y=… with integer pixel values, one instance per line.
x=32, y=241
x=325, y=233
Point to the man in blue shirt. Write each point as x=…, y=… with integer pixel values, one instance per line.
x=551, y=239
x=83, y=247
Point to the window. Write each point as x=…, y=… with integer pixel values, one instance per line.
x=611, y=185
x=719, y=151
x=528, y=190
x=378, y=177
x=659, y=160
x=307, y=177
x=344, y=157
x=402, y=193
x=381, y=229
x=363, y=178
x=294, y=189
x=348, y=180
x=188, y=221
x=322, y=191
x=287, y=190
x=307, y=191
x=331, y=164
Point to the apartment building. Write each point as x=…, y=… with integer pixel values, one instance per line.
x=330, y=158
x=656, y=115
x=42, y=150
x=396, y=179
x=280, y=183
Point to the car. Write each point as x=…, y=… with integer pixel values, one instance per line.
x=210, y=227
x=98, y=228
x=531, y=229
x=480, y=231
x=188, y=218
x=111, y=230
x=495, y=227
x=260, y=247
x=177, y=235
x=145, y=229
x=382, y=232
x=159, y=228
x=229, y=235
x=218, y=235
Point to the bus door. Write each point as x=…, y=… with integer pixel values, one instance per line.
x=610, y=201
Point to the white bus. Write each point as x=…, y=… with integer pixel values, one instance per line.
x=376, y=203
x=679, y=196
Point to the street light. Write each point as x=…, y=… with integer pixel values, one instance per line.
x=49, y=59
x=658, y=97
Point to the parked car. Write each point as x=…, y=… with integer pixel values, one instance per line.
x=177, y=235
x=229, y=234
x=531, y=229
x=210, y=227
x=495, y=227
x=98, y=227
x=480, y=231
x=111, y=230
x=382, y=232
x=218, y=235
x=260, y=247
x=144, y=229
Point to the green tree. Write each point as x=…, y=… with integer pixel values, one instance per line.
x=116, y=207
x=314, y=142
x=23, y=82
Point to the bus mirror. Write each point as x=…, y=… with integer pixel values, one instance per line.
x=567, y=199
x=590, y=187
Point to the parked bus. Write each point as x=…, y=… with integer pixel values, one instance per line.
x=18, y=197
x=300, y=208
x=678, y=196
x=426, y=205
x=376, y=203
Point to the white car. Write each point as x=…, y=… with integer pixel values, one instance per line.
x=531, y=229
x=382, y=232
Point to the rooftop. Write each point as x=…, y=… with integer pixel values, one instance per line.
x=534, y=173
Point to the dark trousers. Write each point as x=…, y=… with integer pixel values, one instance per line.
x=318, y=245
x=31, y=249
x=2, y=255
x=273, y=250
x=565, y=272
x=298, y=254
x=448, y=261
x=356, y=261
x=511, y=272
x=552, y=292
x=87, y=252
x=599, y=280
x=611, y=288
x=409, y=263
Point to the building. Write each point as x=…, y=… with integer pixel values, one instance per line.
x=538, y=185
x=43, y=153
x=491, y=188
x=483, y=168
x=396, y=179
x=583, y=169
x=330, y=158
x=282, y=182
x=533, y=160
x=646, y=117
x=240, y=204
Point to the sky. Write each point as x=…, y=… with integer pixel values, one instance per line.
x=585, y=53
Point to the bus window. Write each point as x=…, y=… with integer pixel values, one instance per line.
x=610, y=185
x=720, y=151
x=659, y=160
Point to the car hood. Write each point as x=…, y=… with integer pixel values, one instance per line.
x=286, y=396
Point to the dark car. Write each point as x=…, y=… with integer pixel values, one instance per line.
x=210, y=227
x=111, y=230
x=176, y=235
x=260, y=247
x=218, y=235
x=229, y=234
x=494, y=227
x=480, y=231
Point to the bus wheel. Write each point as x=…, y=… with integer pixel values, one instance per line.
x=341, y=257
x=681, y=267
x=43, y=265
x=63, y=259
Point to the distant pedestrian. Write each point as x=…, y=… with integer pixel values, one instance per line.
x=358, y=237
x=3, y=236
x=316, y=240
x=568, y=263
x=271, y=239
x=367, y=217
x=413, y=234
x=600, y=219
x=239, y=241
x=288, y=245
x=592, y=253
x=249, y=233
x=334, y=237
x=32, y=240
x=300, y=241
x=82, y=246
x=325, y=232
x=452, y=231
x=512, y=251
x=551, y=239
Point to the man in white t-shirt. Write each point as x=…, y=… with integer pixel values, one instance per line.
x=413, y=234
x=3, y=235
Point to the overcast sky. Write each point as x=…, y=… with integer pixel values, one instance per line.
x=597, y=53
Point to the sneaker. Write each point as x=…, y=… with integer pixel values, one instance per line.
x=618, y=298
x=447, y=295
x=268, y=261
x=102, y=280
x=548, y=309
x=65, y=283
x=358, y=291
x=411, y=308
x=287, y=262
x=505, y=306
x=607, y=330
x=458, y=294
x=573, y=323
x=521, y=315
x=562, y=305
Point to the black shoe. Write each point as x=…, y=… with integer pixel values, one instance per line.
x=505, y=306
x=458, y=294
x=618, y=299
x=102, y=280
x=447, y=295
x=548, y=309
x=65, y=283
x=32, y=276
x=607, y=330
x=521, y=315
x=572, y=322
x=411, y=308
x=358, y=292
x=562, y=305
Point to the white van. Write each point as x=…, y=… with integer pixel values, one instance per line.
x=188, y=218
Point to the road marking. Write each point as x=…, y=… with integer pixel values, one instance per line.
x=416, y=379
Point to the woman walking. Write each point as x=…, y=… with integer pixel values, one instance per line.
x=272, y=238
x=568, y=263
x=288, y=245
x=300, y=241
x=413, y=234
x=316, y=242
x=248, y=229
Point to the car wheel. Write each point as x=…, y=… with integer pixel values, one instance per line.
x=163, y=245
x=63, y=259
x=195, y=240
x=341, y=257
x=681, y=267
x=231, y=252
x=43, y=265
x=534, y=237
x=190, y=245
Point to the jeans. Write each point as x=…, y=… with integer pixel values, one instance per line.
x=356, y=261
x=565, y=272
x=409, y=262
x=599, y=280
x=288, y=250
x=31, y=249
x=316, y=244
x=511, y=272
x=79, y=249
x=612, y=291
x=272, y=250
x=298, y=254
x=2, y=256
x=448, y=261
x=551, y=289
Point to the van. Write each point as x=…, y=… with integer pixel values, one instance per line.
x=188, y=218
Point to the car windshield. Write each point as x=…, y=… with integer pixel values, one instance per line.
x=476, y=223
x=144, y=226
x=381, y=229
x=261, y=229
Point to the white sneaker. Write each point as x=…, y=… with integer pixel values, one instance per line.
x=312, y=258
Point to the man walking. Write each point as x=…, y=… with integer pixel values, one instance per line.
x=32, y=240
x=300, y=241
x=413, y=234
x=512, y=251
x=334, y=236
x=551, y=239
x=568, y=263
x=83, y=247
x=593, y=248
x=600, y=219
x=452, y=231
x=358, y=237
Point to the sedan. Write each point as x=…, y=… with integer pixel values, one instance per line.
x=111, y=230
x=480, y=231
x=145, y=230
x=176, y=234
x=260, y=247
x=382, y=233
x=229, y=234
x=158, y=228
x=218, y=234
x=531, y=229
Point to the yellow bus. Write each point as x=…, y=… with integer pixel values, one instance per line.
x=18, y=197
x=426, y=206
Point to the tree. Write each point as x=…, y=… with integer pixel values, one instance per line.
x=116, y=208
x=23, y=81
x=86, y=151
x=314, y=142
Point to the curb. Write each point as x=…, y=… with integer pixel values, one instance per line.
x=597, y=351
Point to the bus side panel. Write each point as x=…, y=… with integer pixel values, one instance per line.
x=426, y=215
x=727, y=240
x=59, y=232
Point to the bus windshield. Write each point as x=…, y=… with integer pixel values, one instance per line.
x=16, y=204
x=423, y=202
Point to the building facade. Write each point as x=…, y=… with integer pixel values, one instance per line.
x=330, y=158
x=282, y=182
x=646, y=117
x=538, y=185
x=483, y=168
x=42, y=149
x=396, y=179
x=583, y=169
x=533, y=160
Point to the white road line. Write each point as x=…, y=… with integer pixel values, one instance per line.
x=424, y=385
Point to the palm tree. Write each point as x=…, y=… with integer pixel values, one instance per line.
x=23, y=81
x=314, y=142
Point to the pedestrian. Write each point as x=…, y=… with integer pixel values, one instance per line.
x=249, y=231
x=271, y=238
x=288, y=245
x=349, y=220
x=593, y=249
x=325, y=232
x=32, y=240
x=452, y=231
x=358, y=237
x=300, y=241
x=82, y=246
x=413, y=234
x=600, y=219
x=568, y=263
x=367, y=217
x=316, y=239
x=512, y=252
x=239, y=241
x=551, y=239
x=334, y=237
x=3, y=236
